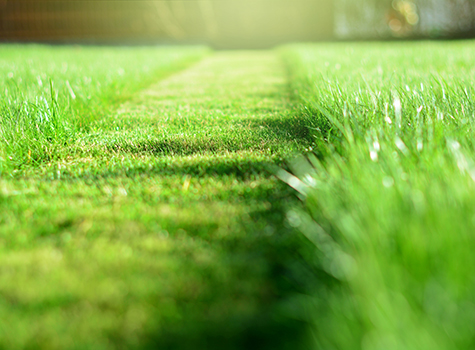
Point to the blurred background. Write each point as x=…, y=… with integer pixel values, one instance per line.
x=232, y=23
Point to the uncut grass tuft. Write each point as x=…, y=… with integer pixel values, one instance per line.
x=389, y=192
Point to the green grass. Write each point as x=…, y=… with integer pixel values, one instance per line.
x=390, y=192
x=138, y=207
x=50, y=94
x=158, y=223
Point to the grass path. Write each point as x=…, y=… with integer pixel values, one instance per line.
x=163, y=227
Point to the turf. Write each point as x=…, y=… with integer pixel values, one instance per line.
x=50, y=94
x=389, y=192
x=160, y=224
x=140, y=215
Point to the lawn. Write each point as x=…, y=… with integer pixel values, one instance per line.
x=389, y=192
x=149, y=197
x=51, y=94
x=144, y=213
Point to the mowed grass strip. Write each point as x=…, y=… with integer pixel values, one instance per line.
x=163, y=227
x=50, y=94
x=390, y=192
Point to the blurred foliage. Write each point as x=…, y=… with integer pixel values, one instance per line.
x=227, y=23
x=404, y=18
x=233, y=23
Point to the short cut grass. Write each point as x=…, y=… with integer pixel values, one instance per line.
x=151, y=223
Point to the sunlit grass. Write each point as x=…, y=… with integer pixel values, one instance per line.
x=390, y=192
x=50, y=94
x=158, y=223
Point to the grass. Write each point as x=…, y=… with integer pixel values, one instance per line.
x=389, y=192
x=50, y=95
x=138, y=205
x=157, y=223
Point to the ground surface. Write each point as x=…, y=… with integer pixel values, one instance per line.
x=155, y=219
x=161, y=225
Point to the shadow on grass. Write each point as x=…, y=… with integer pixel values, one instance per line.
x=263, y=250
x=241, y=169
x=268, y=252
x=267, y=133
x=266, y=255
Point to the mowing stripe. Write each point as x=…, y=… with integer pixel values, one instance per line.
x=230, y=102
x=164, y=228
